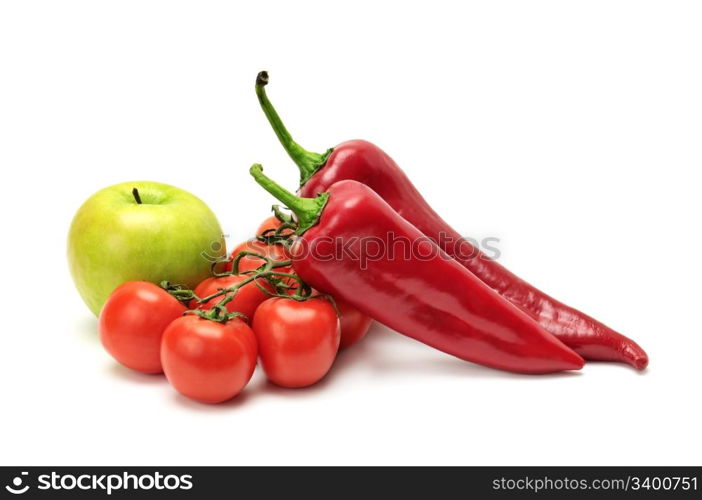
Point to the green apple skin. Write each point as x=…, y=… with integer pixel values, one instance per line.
x=172, y=235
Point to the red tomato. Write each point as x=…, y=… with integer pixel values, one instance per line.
x=132, y=322
x=297, y=341
x=271, y=222
x=245, y=301
x=354, y=324
x=249, y=262
x=208, y=361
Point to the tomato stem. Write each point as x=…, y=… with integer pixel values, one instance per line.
x=267, y=271
x=281, y=216
x=182, y=294
x=283, y=233
x=264, y=271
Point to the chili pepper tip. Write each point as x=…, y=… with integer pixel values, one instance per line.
x=262, y=79
x=640, y=362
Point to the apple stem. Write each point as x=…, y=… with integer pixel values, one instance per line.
x=135, y=193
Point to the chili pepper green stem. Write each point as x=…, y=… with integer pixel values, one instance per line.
x=307, y=210
x=307, y=161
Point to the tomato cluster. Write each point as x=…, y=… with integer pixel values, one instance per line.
x=207, y=341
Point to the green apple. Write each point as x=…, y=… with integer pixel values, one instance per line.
x=141, y=231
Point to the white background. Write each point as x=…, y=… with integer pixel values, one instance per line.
x=570, y=130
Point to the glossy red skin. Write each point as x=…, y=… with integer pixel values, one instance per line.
x=132, y=322
x=250, y=262
x=246, y=300
x=366, y=163
x=354, y=324
x=298, y=341
x=434, y=300
x=207, y=361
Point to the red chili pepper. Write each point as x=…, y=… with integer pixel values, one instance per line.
x=366, y=163
x=434, y=300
